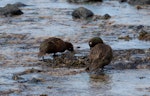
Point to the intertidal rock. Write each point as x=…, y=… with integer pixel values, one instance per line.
x=82, y=13
x=139, y=2
x=10, y=10
x=143, y=35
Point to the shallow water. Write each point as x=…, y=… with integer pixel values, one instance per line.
x=53, y=18
x=50, y=18
x=112, y=83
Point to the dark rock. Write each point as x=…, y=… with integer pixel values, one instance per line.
x=97, y=0
x=124, y=65
x=36, y=80
x=143, y=35
x=131, y=59
x=16, y=77
x=82, y=13
x=10, y=10
x=106, y=16
x=54, y=45
x=29, y=71
x=121, y=1
x=83, y=1
x=139, y=2
x=100, y=55
x=140, y=27
x=67, y=61
x=43, y=95
x=77, y=1
x=99, y=17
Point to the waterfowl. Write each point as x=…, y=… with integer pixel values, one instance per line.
x=100, y=54
x=54, y=45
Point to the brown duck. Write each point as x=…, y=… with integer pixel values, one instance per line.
x=54, y=45
x=100, y=54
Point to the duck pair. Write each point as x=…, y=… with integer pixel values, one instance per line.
x=100, y=53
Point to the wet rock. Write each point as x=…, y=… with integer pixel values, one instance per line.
x=142, y=77
x=49, y=87
x=28, y=71
x=124, y=65
x=99, y=17
x=140, y=27
x=13, y=36
x=68, y=61
x=143, y=35
x=10, y=10
x=100, y=55
x=83, y=1
x=139, y=2
x=106, y=16
x=131, y=59
x=77, y=1
x=126, y=38
x=10, y=38
x=82, y=13
x=7, y=92
x=54, y=45
x=121, y=1
x=43, y=95
x=16, y=77
x=36, y=80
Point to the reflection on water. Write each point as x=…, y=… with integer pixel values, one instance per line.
x=109, y=83
x=114, y=83
x=83, y=85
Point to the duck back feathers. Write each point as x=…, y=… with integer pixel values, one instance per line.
x=54, y=45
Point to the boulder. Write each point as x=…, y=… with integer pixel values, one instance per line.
x=82, y=13
x=121, y=1
x=10, y=10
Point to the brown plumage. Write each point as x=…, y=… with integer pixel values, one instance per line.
x=54, y=45
x=100, y=55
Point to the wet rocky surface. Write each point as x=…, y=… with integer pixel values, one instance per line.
x=139, y=2
x=23, y=73
x=11, y=10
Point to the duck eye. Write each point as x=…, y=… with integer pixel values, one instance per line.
x=70, y=49
x=90, y=43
